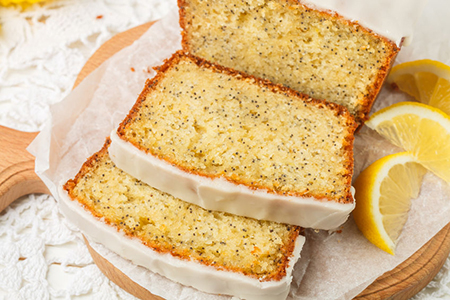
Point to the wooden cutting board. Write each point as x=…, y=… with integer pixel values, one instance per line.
x=17, y=178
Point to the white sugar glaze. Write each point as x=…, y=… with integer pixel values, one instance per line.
x=393, y=19
x=204, y=278
x=222, y=195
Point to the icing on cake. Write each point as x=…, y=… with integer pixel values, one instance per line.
x=219, y=194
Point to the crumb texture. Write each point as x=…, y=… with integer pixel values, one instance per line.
x=168, y=225
x=211, y=123
x=313, y=52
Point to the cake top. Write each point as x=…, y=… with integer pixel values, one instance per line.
x=216, y=122
x=316, y=52
x=392, y=19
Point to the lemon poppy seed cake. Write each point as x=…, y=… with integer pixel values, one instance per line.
x=230, y=142
x=212, y=251
x=316, y=52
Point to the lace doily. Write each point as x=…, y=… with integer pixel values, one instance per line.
x=42, y=50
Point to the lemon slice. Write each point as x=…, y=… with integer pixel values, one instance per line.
x=383, y=198
x=428, y=81
x=420, y=129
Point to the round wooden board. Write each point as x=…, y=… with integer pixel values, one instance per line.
x=17, y=178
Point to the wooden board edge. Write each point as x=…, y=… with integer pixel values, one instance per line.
x=414, y=273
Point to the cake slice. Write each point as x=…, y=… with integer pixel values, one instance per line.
x=212, y=251
x=230, y=142
x=312, y=51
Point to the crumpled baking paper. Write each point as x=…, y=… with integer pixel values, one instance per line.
x=334, y=265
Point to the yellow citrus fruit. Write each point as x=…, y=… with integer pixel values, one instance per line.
x=383, y=198
x=420, y=129
x=428, y=81
x=22, y=2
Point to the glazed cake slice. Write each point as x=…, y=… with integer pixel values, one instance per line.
x=214, y=252
x=315, y=52
x=229, y=142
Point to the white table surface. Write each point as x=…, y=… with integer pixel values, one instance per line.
x=42, y=50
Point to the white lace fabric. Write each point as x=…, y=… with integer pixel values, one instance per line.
x=42, y=50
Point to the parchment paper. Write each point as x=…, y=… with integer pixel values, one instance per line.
x=335, y=265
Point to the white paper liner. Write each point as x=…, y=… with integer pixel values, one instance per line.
x=336, y=265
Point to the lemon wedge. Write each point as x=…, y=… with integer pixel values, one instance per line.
x=420, y=129
x=383, y=198
x=428, y=81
